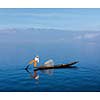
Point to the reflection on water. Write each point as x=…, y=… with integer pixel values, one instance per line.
x=17, y=50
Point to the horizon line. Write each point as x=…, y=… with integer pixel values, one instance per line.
x=60, y=29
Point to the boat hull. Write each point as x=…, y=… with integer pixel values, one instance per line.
x=69, y=65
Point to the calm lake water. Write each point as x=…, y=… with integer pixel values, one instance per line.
x=18, y=47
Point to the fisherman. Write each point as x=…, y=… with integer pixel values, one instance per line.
x=34, y=61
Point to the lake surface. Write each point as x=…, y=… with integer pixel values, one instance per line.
x=18, y=47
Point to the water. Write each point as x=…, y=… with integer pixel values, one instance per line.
x=18, y=47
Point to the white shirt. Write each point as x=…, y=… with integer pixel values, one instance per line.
x=36, y=59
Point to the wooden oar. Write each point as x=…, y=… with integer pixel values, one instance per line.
x=27, y=67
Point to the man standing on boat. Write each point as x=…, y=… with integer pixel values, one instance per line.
x=34, y=62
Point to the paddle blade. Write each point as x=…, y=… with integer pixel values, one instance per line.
x=27, y=67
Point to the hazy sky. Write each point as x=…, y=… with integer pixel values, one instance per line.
x=68, y=19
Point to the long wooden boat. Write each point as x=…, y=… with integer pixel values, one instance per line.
x=69, y=65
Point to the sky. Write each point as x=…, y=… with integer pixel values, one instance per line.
x=66, y=18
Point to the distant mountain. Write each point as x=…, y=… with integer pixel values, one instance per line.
x=37, y=35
